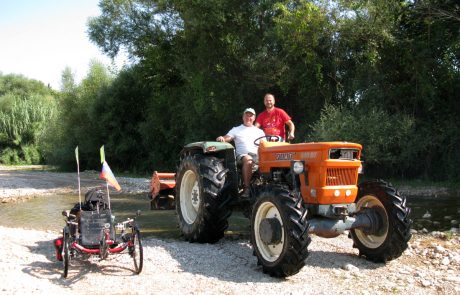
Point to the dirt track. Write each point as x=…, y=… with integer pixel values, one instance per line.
x=430, y=266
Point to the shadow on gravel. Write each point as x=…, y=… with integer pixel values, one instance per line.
x=232, y=261
x=227, y=260
x=334, y=260
x=84, y=265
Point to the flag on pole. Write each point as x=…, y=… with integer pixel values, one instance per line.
x=108, y=176
x=76, y=156
x=102, y=155
x=78, y=176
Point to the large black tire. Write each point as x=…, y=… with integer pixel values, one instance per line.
x=391, y=238
x=136, y=251
x=65, y=251
x=279, y=232
x=202, y=211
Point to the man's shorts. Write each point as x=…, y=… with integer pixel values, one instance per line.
x=255, y=158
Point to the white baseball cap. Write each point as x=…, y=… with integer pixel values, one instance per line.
x=249, y=110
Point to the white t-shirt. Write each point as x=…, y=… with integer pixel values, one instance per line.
x=244, y=138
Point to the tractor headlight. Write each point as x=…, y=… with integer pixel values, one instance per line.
x=298, y=167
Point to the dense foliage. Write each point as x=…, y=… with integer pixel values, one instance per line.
x=382, y=73
x=78, y=121
x=25, y=107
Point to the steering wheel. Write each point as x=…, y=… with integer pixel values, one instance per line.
x=268, y=137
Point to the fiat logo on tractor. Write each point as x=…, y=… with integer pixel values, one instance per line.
x=284, y=156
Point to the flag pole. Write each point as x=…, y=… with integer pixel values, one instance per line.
x=108, y=194
x=78, y=176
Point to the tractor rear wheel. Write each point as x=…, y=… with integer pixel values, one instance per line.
x=391, y=213
x=279, y=232
x=202, y=211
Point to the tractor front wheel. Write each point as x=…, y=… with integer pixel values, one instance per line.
x=202, y=211
x=279, y=232
x=391, y=215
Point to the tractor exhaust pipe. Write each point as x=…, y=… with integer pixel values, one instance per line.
x=331, y=228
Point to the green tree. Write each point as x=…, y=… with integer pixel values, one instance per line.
x=385, y=138
x=121, y=110
x=200, y=65
x=391, y=64
x=402, y=57
x=26, y=106
x=77, y=122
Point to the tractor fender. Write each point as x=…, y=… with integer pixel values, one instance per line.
x=207, y=147
x=221, y=150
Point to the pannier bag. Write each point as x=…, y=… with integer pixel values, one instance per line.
x=92, y=224
x=58, y=247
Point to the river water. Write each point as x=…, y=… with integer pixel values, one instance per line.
x=435, y=213
x=44, y=213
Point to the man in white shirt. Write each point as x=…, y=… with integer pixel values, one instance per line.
x=246, y=151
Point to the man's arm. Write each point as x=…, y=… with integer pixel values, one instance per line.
x=225, y=138
x=291, y=129
x=257, y=124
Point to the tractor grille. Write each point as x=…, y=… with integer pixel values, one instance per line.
x=341, y=176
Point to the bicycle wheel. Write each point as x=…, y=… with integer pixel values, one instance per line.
x=136, y=250
x=103, y=247
x=66, y=251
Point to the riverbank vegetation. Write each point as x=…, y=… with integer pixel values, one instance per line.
x=26, y=106
x=384, y=74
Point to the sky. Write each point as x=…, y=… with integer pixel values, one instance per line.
x=39, y=38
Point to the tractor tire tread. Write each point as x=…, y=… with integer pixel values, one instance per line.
x=400, y=223
x=213, y=216
x=295, y=252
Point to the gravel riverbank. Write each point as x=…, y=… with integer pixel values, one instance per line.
x=28, y=265
x=431, y=265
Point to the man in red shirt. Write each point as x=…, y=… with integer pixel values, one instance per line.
x=273, y=119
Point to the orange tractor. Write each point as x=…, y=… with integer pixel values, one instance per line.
x=296, y=190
